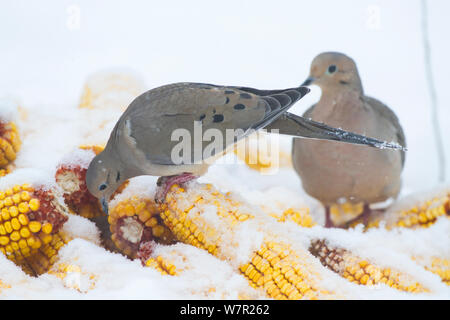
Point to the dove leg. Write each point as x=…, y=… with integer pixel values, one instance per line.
x=365, y=214
x=165, y=183
x=328, y=222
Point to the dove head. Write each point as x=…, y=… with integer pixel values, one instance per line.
x=334, y=70
x=103, y=177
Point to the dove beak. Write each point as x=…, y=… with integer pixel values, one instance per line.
x=308, y=81
x=104, y=205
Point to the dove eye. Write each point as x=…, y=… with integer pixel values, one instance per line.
x=102, y=187
x=331, y=69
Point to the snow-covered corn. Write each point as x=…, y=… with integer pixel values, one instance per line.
x=135, y=221
x=9, y=143
x=341, y=213
x=72, y=180
x=361, y=271
x=300, y=217
x=71, y=177
x=30, y=221
x=260, y=153
x=74, y=277
x=421, y=215
x=441, y=267
x=436, y=265
x=164, y=266
x=113, y=89
x=275, y=267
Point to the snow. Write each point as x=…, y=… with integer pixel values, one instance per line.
x=50, y=59
x=8, y=109
x=78, y=157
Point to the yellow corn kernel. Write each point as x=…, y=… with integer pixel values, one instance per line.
x=16, y=198
x=5, y=214
x=25, y=196
x=4, y=240
x=15, y=224
x=15, y=236
x=25, y=232
x=34, y=204
x=23, y=207
x=23, y=219
x=8, y=227
x=35, y=226
x=47, y=228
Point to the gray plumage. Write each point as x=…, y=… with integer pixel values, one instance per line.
x=330, y=171
x=140, y=143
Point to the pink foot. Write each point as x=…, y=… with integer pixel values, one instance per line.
x=165, y=183
x=328, y=222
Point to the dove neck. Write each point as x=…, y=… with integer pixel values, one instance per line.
x=343, y=109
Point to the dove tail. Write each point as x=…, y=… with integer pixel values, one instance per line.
x=294, y=125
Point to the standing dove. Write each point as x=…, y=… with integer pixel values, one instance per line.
x=332, y=172
x=142, y=141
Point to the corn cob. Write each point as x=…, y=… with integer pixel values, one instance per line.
x=9, y=143
x=135, y=221
x=274, y=266
x=419, y=216
x=29, y=226
x=255, y=152
x=360, y=271
x=110, y=90
x=74, y=277
x=436, y=265
x=71, y=177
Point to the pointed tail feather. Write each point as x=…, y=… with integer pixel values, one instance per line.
x=291, y=124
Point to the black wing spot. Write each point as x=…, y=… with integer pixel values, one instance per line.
x=245, y=96
x=343, y=82
x=202, y=117
x=228, y=100
x=229, y=92
x=239, y=106
x=118, y=176
x=218, y=118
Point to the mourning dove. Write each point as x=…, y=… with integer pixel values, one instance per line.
x=142, y=141
x=332, y=172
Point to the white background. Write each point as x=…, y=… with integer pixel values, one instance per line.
x=45, y=55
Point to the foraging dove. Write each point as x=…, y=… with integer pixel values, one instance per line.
x=142, y=143
x=331, y=172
